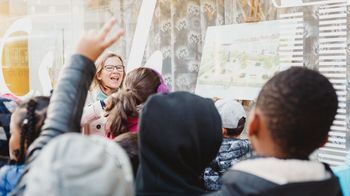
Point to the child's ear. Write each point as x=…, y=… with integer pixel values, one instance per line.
x=223, y=130
x=253, y=124
x=98, y=76
x=325, y=140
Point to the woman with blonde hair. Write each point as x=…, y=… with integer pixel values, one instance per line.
x=108, y=79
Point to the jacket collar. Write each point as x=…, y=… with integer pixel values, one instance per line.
x=279, y=170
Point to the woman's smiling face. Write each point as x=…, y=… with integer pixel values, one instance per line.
x=112, y=73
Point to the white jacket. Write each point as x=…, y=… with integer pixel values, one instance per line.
x=93, y=120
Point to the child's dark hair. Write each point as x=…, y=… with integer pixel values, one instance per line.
x=299, y=105
x=29, y=117
x=236, y=131
x=139, y=85
x=128, y=141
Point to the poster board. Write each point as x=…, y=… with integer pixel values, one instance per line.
x=238, y=59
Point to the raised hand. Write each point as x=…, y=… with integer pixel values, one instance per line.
x=94, y=42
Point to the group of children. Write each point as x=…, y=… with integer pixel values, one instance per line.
x=160, y=143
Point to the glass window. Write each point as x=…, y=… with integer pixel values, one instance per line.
x=38, y=36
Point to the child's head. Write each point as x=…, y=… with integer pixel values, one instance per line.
x=293, y=114
x=128, y=141
x=179, y=135
x=25, y=126
x=232, y=115
x=72, y=164
x=139, y=85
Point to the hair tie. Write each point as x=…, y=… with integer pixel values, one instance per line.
x=25, y=121
x=162, y=88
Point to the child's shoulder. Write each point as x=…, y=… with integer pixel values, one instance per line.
x=9, y=175
x=233, y=144
x=11, y=168
x=236, y=141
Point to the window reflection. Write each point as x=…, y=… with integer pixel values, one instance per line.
x=178, y=30
x=15, y=63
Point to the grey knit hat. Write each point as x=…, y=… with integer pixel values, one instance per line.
x=73, y=164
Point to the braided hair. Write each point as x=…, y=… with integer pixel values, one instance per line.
x=29, y=117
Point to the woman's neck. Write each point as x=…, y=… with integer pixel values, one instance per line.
x=107, y=91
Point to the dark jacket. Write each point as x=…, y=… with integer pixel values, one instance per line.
x=236, y=182
x=231, y=151
x=179, y=134
x=65, y=109
x=5, y=117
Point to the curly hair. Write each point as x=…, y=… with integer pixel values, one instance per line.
x=139, y=85
x=300, y=105
x=29, y=117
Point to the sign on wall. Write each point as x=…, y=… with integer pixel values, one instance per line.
x=238, y=59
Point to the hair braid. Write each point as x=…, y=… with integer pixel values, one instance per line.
x=28, y=126
x=31, y=116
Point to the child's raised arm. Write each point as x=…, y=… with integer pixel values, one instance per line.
x=67, y=102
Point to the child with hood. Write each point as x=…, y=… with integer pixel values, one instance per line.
x=179, y=134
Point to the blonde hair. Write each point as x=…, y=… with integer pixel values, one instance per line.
x=99, y=66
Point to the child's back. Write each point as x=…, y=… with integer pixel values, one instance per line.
x=232, y=149
x=26, y=122
x=293, y=115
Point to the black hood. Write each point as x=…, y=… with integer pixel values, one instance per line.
x=180, y=133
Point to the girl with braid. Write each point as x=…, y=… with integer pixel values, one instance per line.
x=124, y=106
x=25, y=126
